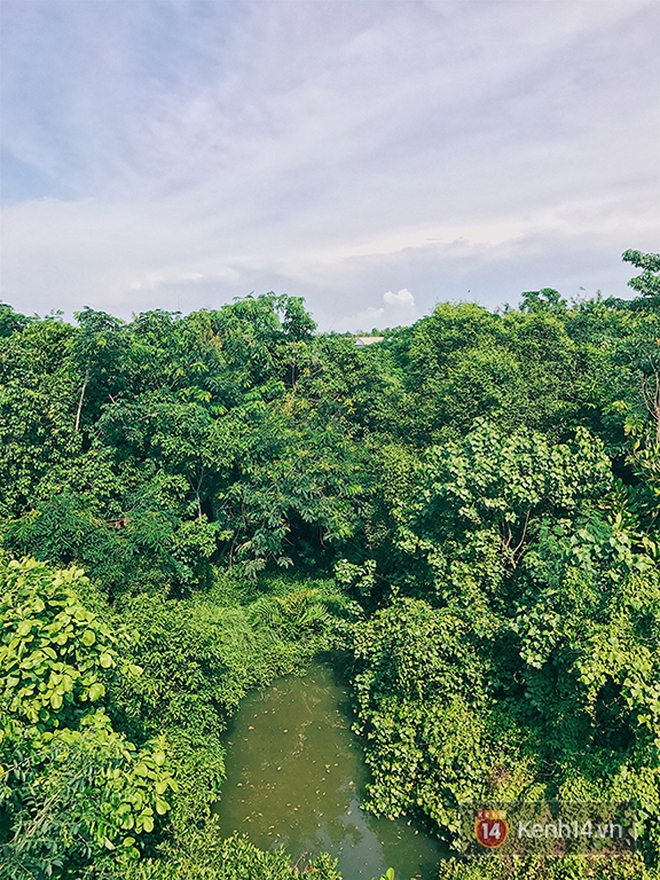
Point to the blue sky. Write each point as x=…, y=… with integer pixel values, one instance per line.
x=374, y=157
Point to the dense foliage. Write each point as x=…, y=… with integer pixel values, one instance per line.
x=193, y=505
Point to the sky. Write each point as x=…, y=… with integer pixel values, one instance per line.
x=373, y=157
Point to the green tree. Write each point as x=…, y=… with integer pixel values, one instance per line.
x=71, y=787
x=648, y=283
x=532, y=650
x=96, y=353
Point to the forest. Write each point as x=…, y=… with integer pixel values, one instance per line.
x=192, y=506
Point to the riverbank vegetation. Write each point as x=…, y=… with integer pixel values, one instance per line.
x=191, y=506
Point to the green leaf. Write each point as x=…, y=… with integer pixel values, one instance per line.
x=161, y=807
x=88, y=638
x=97, y=690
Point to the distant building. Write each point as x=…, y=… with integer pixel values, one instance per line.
x=368, y=340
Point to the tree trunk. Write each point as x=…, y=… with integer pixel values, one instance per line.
x=82, y=397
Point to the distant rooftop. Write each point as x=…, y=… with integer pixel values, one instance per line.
x=368, y=340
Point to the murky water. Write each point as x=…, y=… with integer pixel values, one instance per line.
x=296, y=776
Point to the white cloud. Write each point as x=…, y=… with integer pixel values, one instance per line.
x=364, y=321
x=398, y=309
x=403, y=298
x=324, y=149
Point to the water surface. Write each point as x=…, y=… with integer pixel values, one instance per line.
x=296, y=776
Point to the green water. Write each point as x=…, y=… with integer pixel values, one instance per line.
x=296, y=776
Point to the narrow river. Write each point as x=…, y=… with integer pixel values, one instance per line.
x=296, y=776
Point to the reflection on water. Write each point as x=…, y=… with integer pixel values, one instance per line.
x=296, y=775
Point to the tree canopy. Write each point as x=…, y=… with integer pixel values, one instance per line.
x=191, y=506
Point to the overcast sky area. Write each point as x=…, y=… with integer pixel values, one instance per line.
x=373, y=157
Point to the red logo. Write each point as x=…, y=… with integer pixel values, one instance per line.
x=491, y=828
